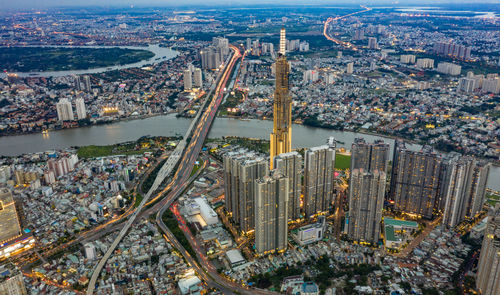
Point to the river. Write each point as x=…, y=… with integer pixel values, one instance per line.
x=161, y=54
x=169, y=125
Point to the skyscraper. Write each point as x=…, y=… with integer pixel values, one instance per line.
x=319, y=178
x=488, y=268
x=198, y=78
x=221, y=43
x=188, y=83
x=81, y=112
x=64, y=110
x=211, y=57
x=10, y=228
x=350, y=68
x=77, y=82
x=464, y=187
x=86, y=83
x=11, y=280
x=281, y=137
x=415, y=180
x=241, y=171
x=290, y=165
x=271, y=213
x=366, y=199
x=369, y=156
x=372, y=43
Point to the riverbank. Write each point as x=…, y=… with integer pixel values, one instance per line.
x=133, y=118
x=42, y=59
x=170, y=125
x=360, y=131
x=160, y=54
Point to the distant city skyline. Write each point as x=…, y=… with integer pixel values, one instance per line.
x=170, y=3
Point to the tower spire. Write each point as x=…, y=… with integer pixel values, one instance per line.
x=281, y=137
x=282, y=41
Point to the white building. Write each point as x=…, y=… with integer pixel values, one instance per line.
x=372, y=43
x=198, y=78
x=350, y=68
x=81, y=112
x=491, y=84
x=407, y=58
x=188, y=83
x=235, y=258
x=207, y=213
x=64, y=110
x=466, y=85
x=425, y=63
x=449, y=68
x=311, y=76
x=311, y=233
x=11, y=280
x=90, y=252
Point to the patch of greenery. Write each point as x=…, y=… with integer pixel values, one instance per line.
x=342, y=162
x=172, y=224
x=231, y=101
x=4, y=102
x=138, y=200
x=254, y=144
x=148, y=182
x=267, y=280
x=195, y=169
x=94, y=151
x=36, y=59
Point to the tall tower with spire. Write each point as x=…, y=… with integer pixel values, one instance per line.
x=281, y=137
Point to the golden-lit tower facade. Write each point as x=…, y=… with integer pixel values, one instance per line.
x=281, y=137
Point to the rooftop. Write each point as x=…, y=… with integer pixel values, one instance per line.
x=7, y=271
x=389, y=233
x=400, y=223
x=309, y=287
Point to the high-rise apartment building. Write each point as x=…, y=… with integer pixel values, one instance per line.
x=372, y=43
x=222, y=43
x=290, y=165
x=271, y=213
x=198, y=78
x=491, y=84
x=319, y=178
x=463, y=189
x=211, y=57
x=466, y=85
x=369, y=156
x=425, y=63
x=241, y=170
x=281, y=137
x=359, y=34
x=188, y=83
x=10, y=227
x=449, y=68
x=488, y=268
x=366, y=200
x=415, y=180
x=11, y=280
x=64, y=110
x=81, y=112
x=77, y=82
x=350, y=68
x=87, y=85
x=452, y=49
x=407, y=58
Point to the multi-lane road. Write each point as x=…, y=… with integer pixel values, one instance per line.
x=331, y=19
x=204, y=268
x=183, y=158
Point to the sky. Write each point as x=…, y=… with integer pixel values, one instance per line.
x=55, y=3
